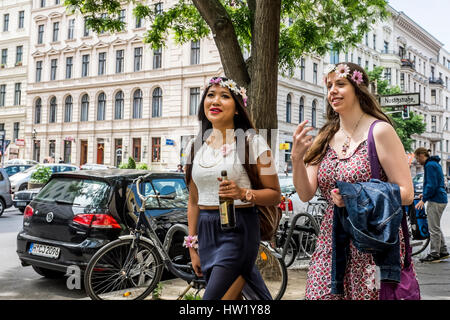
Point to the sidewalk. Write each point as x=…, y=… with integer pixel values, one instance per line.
x=295, y=290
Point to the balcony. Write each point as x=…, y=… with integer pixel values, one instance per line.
x=406, y=63
x=433, y=136
x=436, y=81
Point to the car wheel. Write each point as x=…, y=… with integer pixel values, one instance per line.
x=2, y=206
x=48, y=273
x=23, y=186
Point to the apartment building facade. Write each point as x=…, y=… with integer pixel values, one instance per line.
x=14, y=58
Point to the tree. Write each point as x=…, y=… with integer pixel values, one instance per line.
x=404, y=127
x=275, y=34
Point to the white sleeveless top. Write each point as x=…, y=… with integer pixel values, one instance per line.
x=209, y=163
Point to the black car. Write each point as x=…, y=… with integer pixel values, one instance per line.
x=76, y=213
x=23, y=198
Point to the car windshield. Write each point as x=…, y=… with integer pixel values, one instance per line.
x=166, y=187
x=418, y=178
x=76, y=192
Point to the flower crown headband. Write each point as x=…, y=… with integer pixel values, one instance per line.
x=230, y=84
x=343, y=71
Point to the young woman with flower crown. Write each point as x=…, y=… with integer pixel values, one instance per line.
x=227, y=258
x=340, y=153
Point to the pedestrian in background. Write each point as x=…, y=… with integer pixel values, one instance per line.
x=434, y=193
x=340, y=153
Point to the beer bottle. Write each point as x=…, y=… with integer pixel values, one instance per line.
x=226, y=209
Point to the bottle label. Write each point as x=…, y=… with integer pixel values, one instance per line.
x=224, y=212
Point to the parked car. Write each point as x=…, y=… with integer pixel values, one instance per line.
x=288, y=192
x=418, y=183
x=95, y=166
x=76, y=213
x=5, y=191
x=20, y=161
x=23, y=198
x=12, y=169
x=20, y=180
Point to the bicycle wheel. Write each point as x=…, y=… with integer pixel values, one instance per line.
x=118, y=271
x=417, y=246
x=291, y=253
x=273, y=271
x=308, y=231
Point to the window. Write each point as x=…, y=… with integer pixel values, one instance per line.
x=157, y=103
x=359, y=61
x=38, y=71
x=52, y=113
x=17, y=94
x=68, y=109
x=118, y=106
x=433, y=96
x=71, y=29
x=301, y=110
x=122, y=16
x=16, y=131
x=367, y=39
x=101, y=63
x=313, y=114
x=386, y=47
x=157, y=57
x=4, y=56
x=138, y=23
x=84, y=108
x=195, y=52
x=6, y=22
x=194, y=100
x=51, y=148
x=137, y=149
x=42, y=3
x=19, y=54
x=433, y=123
x=85, y=65
x=156, y=149
x=388, y=75
x=374, y=41
x=315, y=73
x=158, y=8
x=69, y=65
x=86, y=29
x=37, y=111
x=101, y=106
x=2, y=95
x=55, y=31
x=137, y=104
x=302, y=69
x=40, y=34
x=334, y=56
x=53, y=68
x=21, y=19
x=137, y=59
x=119, y=61
x=288, y=108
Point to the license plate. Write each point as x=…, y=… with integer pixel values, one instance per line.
x=21, y=203
x=44, y=250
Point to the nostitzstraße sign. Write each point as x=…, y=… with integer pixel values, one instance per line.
x=397, y=100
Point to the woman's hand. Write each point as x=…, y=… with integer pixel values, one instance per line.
x=301, y=141
x=229, y=189
x=195, y=260
x=337, y=198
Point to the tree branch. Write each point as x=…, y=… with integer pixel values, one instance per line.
x=225, y=39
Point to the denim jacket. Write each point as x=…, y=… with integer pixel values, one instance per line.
x=371, y=218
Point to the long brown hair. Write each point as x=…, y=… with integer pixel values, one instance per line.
x=241, y=121
x=369, y=104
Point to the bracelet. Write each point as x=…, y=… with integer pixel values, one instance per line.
x=191, y=242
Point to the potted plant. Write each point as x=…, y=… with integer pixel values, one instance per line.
x=40, y=177
x=2, y=65
x=18, y=63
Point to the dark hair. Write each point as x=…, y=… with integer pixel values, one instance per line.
x=369, y=104
x=241, y=121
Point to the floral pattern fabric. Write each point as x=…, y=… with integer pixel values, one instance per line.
x=360, y=281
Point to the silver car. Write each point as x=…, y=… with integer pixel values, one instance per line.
x=5, y=191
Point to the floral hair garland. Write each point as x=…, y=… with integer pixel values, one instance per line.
x=230, y=84
x=343, y=71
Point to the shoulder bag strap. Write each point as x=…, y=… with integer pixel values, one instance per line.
x=375, y=168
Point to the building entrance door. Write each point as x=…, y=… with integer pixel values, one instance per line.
x=100, y=153
x=84, y=152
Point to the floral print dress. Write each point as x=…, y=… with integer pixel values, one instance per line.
x=360, y=281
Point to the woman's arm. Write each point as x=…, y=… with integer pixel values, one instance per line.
x=393, y=160
x=192, y=216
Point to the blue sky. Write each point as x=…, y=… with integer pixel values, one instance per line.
x=432, y=15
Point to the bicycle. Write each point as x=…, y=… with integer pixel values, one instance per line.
x=418, y=244
x=131, y=267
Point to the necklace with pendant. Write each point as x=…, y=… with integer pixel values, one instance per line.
x=346, y=144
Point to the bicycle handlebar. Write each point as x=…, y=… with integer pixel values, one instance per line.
x=145, y=198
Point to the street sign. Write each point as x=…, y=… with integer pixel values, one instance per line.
x=400, y=100
x=170, y=142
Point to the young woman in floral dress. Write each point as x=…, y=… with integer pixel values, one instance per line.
x=339, y=153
